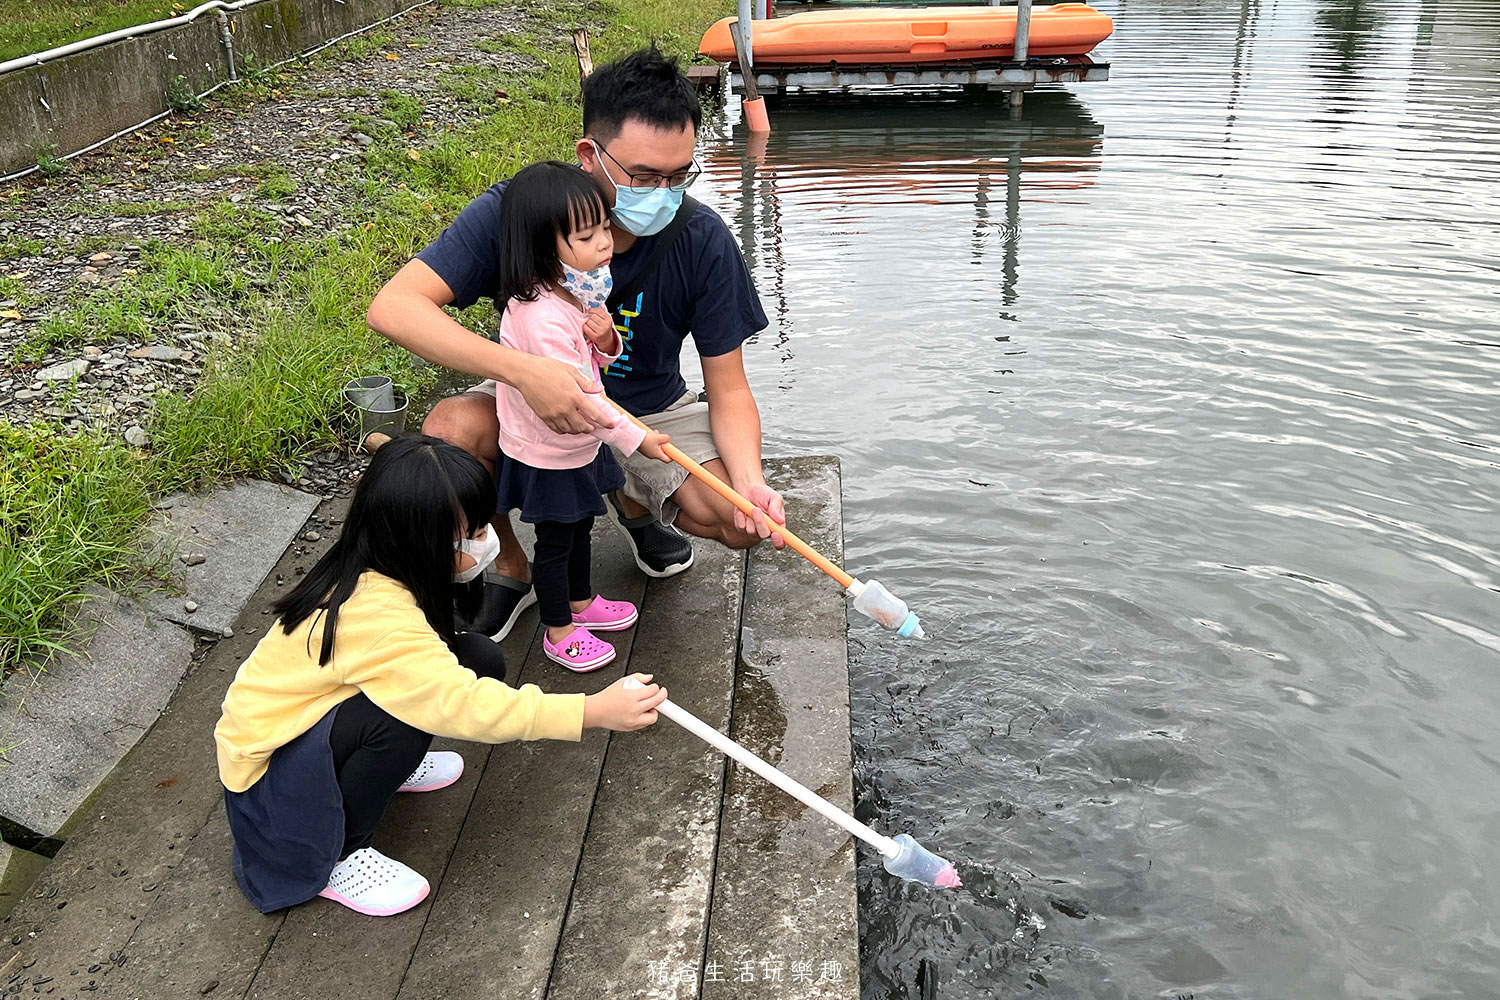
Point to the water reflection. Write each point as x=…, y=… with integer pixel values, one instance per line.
x=1240, y=67
x=835, y=161
x=1349, y=30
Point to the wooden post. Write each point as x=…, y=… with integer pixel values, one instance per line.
x=581, y=45
x=1023, y=41
x=747, y=73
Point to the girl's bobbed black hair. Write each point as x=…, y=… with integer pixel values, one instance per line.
x=544, y=201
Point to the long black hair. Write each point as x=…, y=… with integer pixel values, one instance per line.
x=418, y=495
x=544, y=201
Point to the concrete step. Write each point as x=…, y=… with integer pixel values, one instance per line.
x=785, y=916
x=146, y=818
x=645, y=882
x=72, y=722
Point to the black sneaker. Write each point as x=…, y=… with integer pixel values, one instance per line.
x=490, y=605
x=660, y=550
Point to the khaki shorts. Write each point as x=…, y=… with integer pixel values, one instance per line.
x=647, y=481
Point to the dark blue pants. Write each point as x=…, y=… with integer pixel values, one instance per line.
x=374, y=752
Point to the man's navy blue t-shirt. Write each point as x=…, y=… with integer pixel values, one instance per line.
x=700, y=287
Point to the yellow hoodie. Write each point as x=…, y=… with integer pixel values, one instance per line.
x=384, y=648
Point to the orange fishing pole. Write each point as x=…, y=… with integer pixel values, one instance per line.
x=870, y=598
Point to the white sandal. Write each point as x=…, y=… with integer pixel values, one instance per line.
x=438, y=769
x=368, y=882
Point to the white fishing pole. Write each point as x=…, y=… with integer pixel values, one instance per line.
x=901, y=855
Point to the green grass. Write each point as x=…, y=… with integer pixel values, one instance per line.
x=256, y=73
x=17, y=290
x=69, y=510
x=173, y=283
x=260, y=170
x=360, y=46
x=134, y=209
x=21, y=247
x=404, y=110
x=293, y=298
x=483, y=86
x=28, y=26
x=276, y=187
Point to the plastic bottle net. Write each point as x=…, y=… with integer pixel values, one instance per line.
x=885, y=608
x=918, y=864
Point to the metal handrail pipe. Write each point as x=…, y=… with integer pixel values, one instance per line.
x=135, y=31
x=1023, y=29
x=233, y=79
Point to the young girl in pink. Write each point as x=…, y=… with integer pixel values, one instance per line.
x=555, y=250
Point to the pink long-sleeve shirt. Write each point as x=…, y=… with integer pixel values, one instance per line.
x=552, y=327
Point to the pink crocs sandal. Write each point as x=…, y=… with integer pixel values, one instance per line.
x=579, y=651
x=606, y=616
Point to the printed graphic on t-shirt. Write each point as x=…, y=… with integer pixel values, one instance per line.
x=624, y=323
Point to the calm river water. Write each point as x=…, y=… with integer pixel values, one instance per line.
x=1172, y=406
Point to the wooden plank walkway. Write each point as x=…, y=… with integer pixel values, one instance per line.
x=626, y=865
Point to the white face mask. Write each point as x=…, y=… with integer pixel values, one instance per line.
x=482, y=550
x=590, y=288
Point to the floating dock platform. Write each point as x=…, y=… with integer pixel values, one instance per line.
x=997, y=75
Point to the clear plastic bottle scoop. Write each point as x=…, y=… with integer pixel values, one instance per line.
x=885, y=609
x=902, y=855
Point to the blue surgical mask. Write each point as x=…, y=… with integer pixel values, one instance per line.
x=644, y=214
x=590, y=288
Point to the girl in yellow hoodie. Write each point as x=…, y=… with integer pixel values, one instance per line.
x=332, y=713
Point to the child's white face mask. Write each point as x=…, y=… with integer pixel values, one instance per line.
x=590, y=288
x=482, y=550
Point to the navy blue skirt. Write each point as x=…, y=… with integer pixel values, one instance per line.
x=289, y=826
x=564, y=495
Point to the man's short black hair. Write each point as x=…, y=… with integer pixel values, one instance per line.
x=644, y=85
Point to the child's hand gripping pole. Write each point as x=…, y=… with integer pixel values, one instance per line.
x=870, y=599
x=901, y=855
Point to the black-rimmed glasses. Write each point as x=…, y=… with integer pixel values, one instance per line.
x=649, y=180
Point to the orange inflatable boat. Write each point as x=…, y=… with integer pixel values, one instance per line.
x=911, y=35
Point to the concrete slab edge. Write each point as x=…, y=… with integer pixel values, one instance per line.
x=71, y=723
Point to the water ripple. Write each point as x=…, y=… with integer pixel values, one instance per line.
x=1171, y=406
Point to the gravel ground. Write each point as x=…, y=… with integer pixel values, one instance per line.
x=167, y=173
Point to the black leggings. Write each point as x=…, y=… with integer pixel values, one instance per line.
x=374, y=752
x=560, y=569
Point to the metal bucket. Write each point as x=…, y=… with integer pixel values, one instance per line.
x=380, y=405
x=371, y=392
